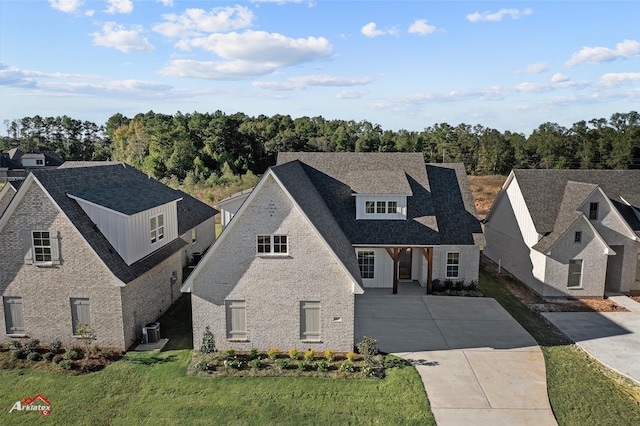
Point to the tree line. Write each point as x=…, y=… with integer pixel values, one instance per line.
x=211, y=147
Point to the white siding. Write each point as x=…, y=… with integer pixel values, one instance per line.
x=527, y=228
x=383, y=272
x=401, y=201
x=229, y=208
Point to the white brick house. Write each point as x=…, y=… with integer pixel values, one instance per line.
x=102, y=244
x=568, y=233
x=320, y=228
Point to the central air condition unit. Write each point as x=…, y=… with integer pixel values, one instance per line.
x=151, y=332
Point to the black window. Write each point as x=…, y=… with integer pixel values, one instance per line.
x=593, y=211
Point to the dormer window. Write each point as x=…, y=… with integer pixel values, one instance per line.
x=156, y=223
x=593, y=211
x=381, y=207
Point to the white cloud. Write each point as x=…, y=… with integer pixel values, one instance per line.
x=559, y=78
x=303, y=82
x=210, y=70
x=619, y=79
x=597, y=55
x=118, y=37
x=370, y=30
x=261, y=47
x=535, y=68
x=199, y=21
x=119, y=6
x=168, y=3
x=66, y=6
x=351, y=94
x=497, y=16
x=421, y=27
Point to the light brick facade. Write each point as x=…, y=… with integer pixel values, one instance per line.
x=273, y=287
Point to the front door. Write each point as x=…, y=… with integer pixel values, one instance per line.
x=404, y=267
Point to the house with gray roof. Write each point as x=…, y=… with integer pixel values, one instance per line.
x=568, y=233
x=321, y=228
x=103, y=244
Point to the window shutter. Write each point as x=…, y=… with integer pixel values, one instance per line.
x=27, y=247
x=310, y=321
x=55, y=247
x=13, y=315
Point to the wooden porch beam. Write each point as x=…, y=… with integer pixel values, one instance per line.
x=428, y=255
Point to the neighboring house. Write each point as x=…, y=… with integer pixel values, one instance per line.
x=7, y=192
x=568, y=232
x=320, y=228
x=16, y=164
x=229, y=206
x=104, y=244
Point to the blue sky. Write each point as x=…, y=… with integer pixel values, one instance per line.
x=401, y=64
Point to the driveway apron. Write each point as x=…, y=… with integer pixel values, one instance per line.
x=478, y=365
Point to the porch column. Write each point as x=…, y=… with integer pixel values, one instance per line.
x=395, y=254
x=427, y=253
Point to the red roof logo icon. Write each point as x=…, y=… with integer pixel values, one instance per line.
x=38, y=397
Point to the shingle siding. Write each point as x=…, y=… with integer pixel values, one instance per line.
x=273, y=287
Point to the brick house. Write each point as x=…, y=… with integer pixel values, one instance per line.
x=103, y=244
x=568, y=233
x=321, y=228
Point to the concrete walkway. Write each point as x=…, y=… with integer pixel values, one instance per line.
x=478, y=365
x=613, y=338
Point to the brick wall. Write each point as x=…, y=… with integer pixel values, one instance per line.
x=273, y=287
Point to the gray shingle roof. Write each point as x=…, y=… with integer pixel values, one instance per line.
x=81, y=180
x=297, y=183
x=435, y=216
x=544, y=193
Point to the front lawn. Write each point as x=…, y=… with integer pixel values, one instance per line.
x=152, y=388
x=581, y=390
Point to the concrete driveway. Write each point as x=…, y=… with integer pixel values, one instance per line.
x=613, y=338
x=478, y=365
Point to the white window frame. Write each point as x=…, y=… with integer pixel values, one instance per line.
x=79, y=315
x=579, y=274
x=364, y=258
x=236, y=319
x=156, y=229
x=272, y=244
x=370, y=207
x=310, y=313
x=13, y=310
x=453, y=263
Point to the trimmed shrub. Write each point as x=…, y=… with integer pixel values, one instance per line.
x=253, y=353
x=282, y=363
x=347, y=367
x=255, y=364
x=234, y=363
x=448, y=285
x=304, y=366
x=15, y=345
x=55, y=346
x=31, y=346
x=323, y=365
x=473, y=285
x=329, y=355
x=72, y=354
x=66, y=364
x=208, y=342
x=293, y=353
x=48, y=356
x=34, y=356
x=230, y=353
x=459, y=285
x=17, y=353
x=273, y=353
x=57, y=359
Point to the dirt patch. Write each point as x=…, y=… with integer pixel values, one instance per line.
x=485, y=189
x=536, y=303
x=636, y=298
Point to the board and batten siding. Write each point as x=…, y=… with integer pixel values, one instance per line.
x=130, y=235
x=383, y=268
x=361, y=212
x=525, y=222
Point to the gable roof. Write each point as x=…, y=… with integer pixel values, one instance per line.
x=440, y=206
x=58, y=183
x=544, y=193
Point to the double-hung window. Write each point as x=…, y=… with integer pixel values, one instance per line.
x=453, y=265
x=41, y=246
x=156, y=225
x=593, y=211
x=272, y=244
x=366, y=262
x=310, y=321
x=13, y=316
x=575, y=273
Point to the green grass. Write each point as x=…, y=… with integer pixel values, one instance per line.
x=581, y=390
x=153, y=388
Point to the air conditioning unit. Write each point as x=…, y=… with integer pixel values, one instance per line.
x=151, y=332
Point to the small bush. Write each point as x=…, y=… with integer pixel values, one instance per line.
x=459, y=285
x=31, y=346
x=293, y=353
x=15, y=345
x=255, y=364
x=473, y=285
x=323, y=365
x=48, y=356
x=106, y=353
x=368, y=347
x=437, y=285
x=347, y=367
x=57, y=359
x=329, y=355
x=17, y=353
x=351, y=356
x=234, y=363
x=95, y=350
x=448, y=285
x=253, y=353
x=66, y=364
x=34, y=356
x=391, y=361
x=282, y=363
x=72, y=354
x=273, y=353
x=304, y=366
x=55, y=346
x=230, y=353
x=367, y=370
x=86, y=367
x=310, y=355
x=201, y=365
x=208, y=342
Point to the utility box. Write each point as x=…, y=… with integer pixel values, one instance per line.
x=151, y=332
